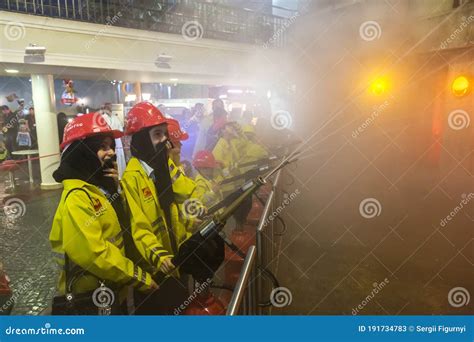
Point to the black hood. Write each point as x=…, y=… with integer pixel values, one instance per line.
x=80, y=161
x=157, y=158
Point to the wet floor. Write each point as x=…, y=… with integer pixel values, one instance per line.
x=24, y=245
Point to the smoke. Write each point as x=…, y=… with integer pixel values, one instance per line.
x=389, y=141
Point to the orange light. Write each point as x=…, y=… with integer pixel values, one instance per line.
x=379, y=86
x=460, y=86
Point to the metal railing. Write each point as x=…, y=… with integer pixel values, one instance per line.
x=264, y=241
x=252, y=287
x=244, y=298
x=202, y=19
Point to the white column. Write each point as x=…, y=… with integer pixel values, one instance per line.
x=44, y=102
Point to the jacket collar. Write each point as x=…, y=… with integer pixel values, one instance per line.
x=70, y=184
x=139, y=166
x=147, y=168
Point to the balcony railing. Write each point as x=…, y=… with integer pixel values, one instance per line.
x=191, y=18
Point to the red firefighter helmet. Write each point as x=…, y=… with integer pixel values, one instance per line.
x=175, y=132
x=205, y=159
x=141, y=116
x=85, y=126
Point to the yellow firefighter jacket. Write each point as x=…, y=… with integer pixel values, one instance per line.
x=86, y=227
x=147, y=216
x=204, y=193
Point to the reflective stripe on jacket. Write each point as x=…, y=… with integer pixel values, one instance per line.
x=86, y=227
x=148, y=225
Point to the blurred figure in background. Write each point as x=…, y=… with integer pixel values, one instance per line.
x=236, y=114
x=190, y=124
x=21, y=111
x=62, y=122
x=226, y=149
x=188, y=168
x=9, y=129
x=247, y=118
x=23, y=138
x=3, y=151
x=204, y=123
x=227, y=153
x=183, y=186
x=219, y=117
x=207, y=189
x=114, y=122
x=253, y=150
x=176, y=136
x=32, y=126
x=162, y=108
x=2, y=118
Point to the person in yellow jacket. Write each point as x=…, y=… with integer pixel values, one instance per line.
x=86, y=236
x=226, y=150
x=231, y=150
x=3, y=152
x=183, y=186
x=253, y=150
x=148, y=189
x=207, y=189
x=227, y=154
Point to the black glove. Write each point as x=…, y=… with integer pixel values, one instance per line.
x=200, y=257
